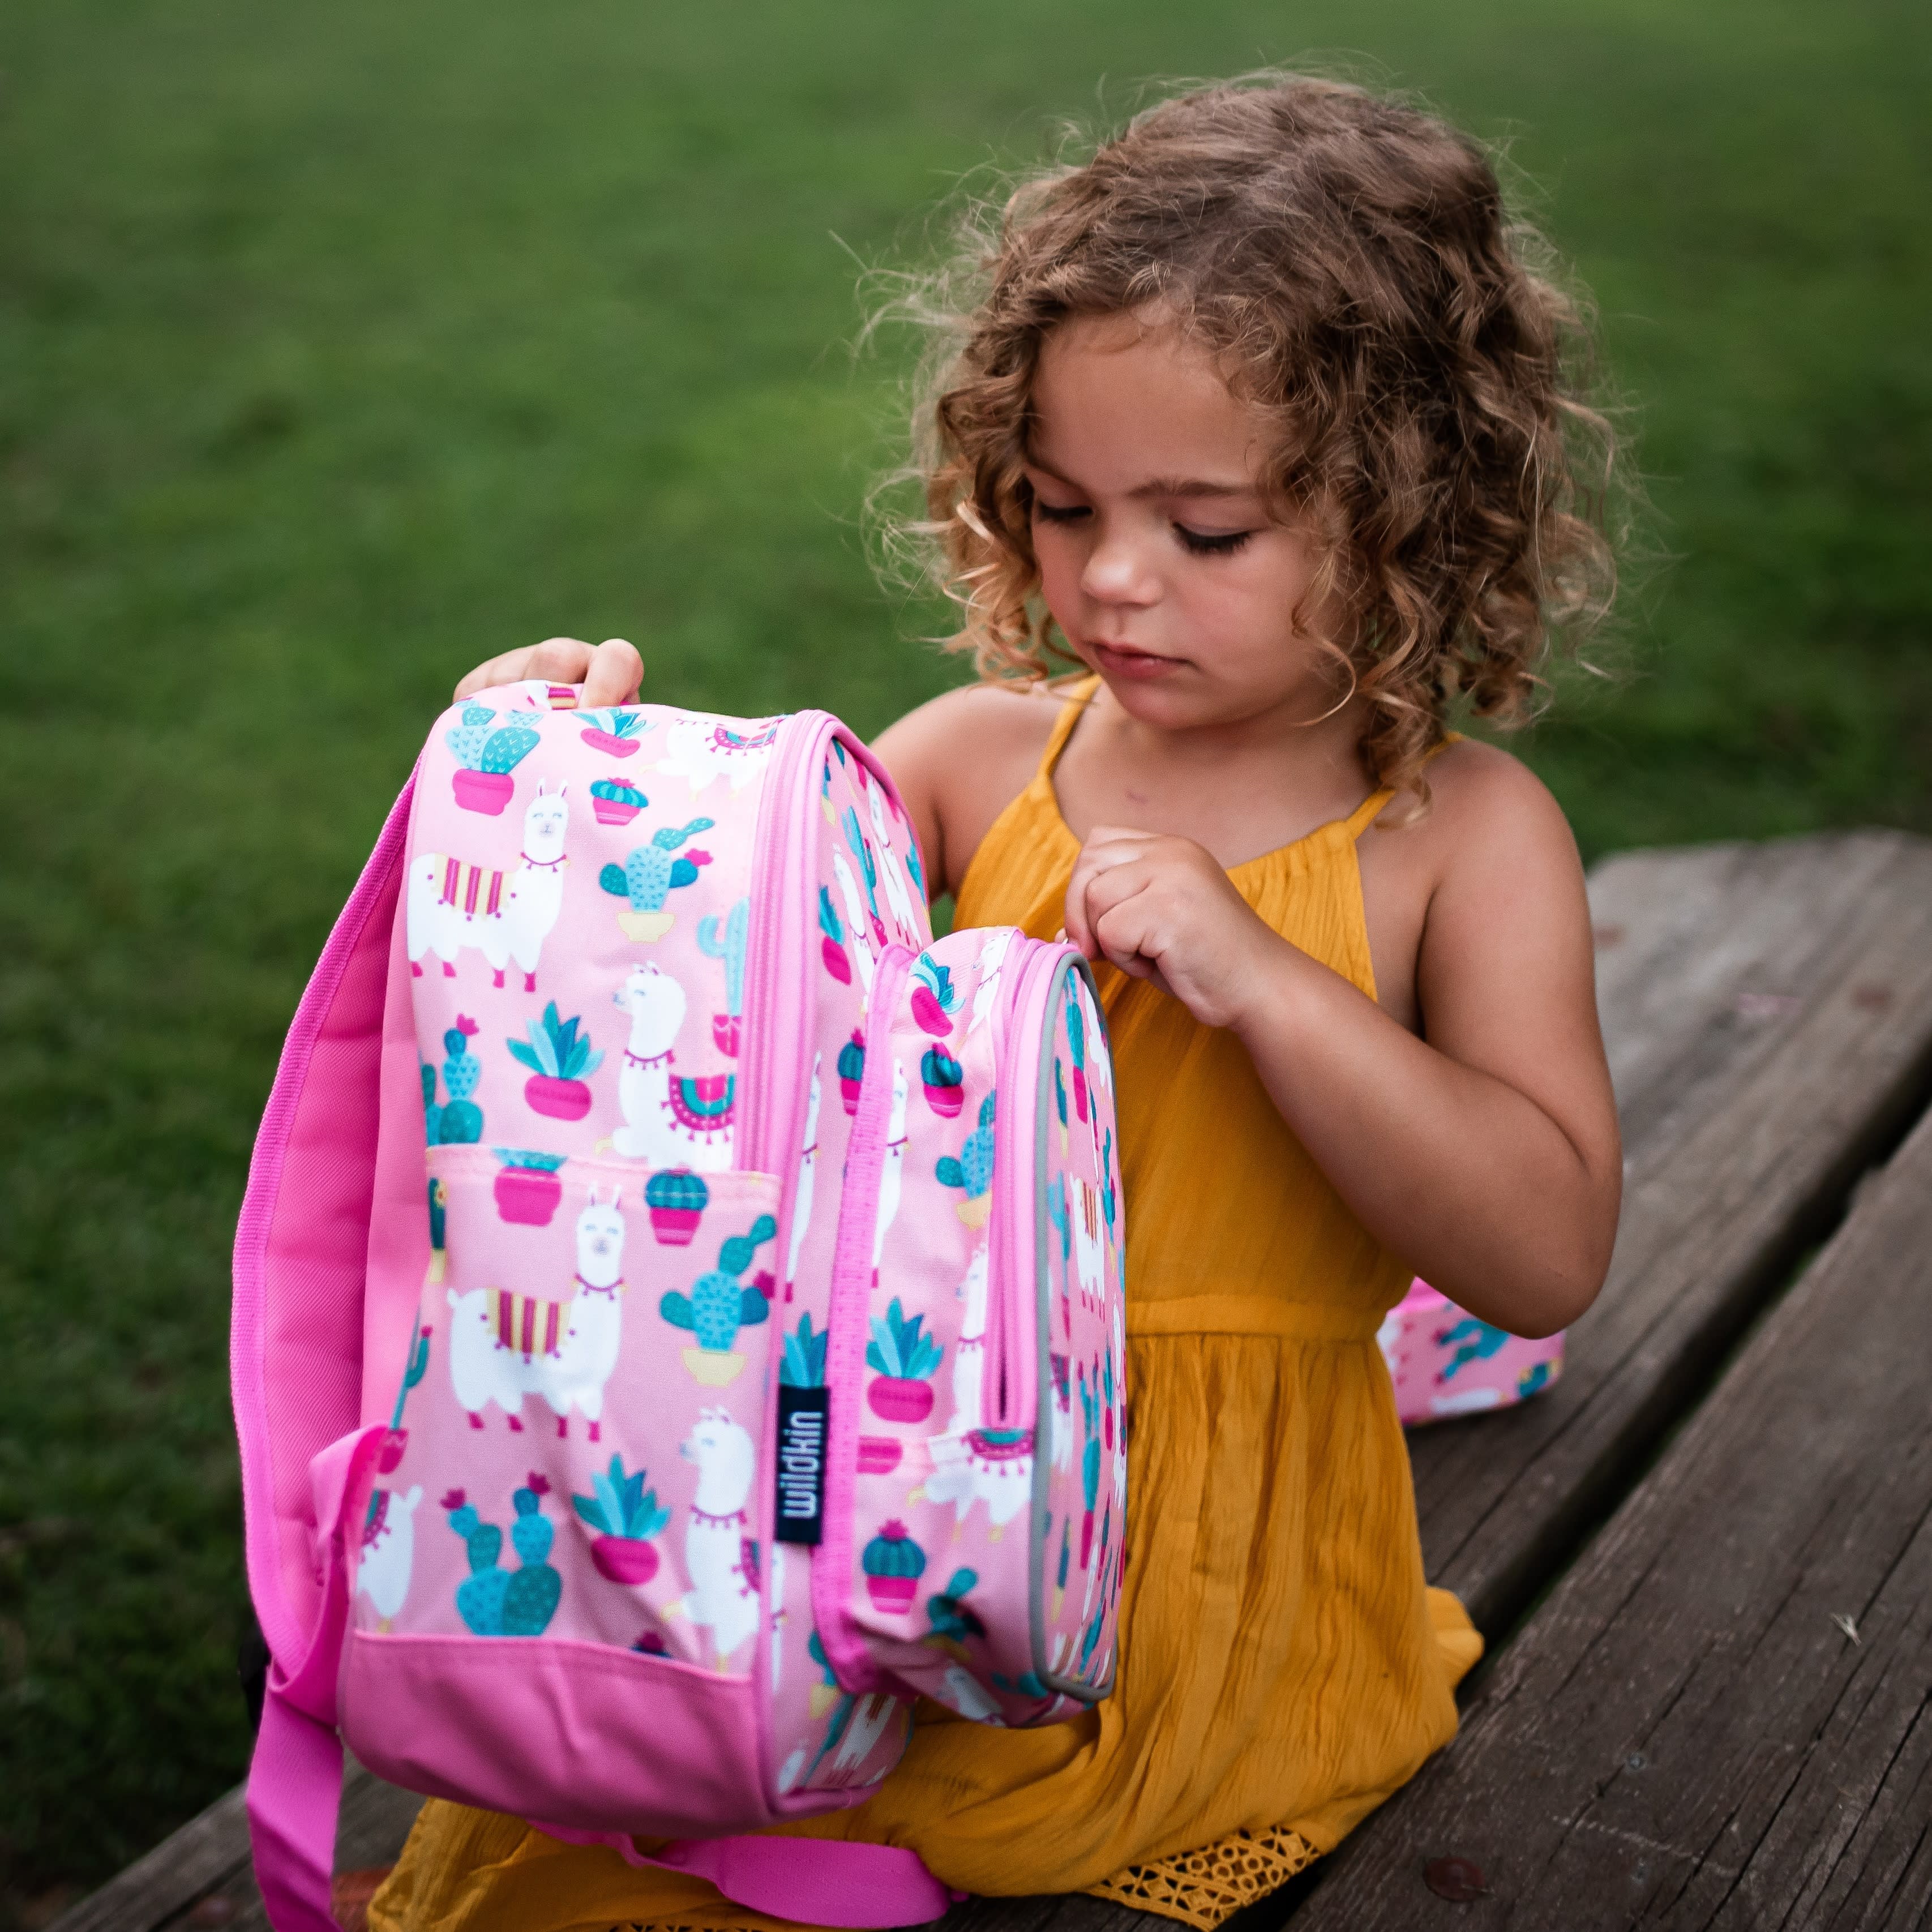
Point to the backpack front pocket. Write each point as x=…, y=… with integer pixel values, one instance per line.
x=575, y=1439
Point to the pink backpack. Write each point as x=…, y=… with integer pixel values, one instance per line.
x=742, y=1359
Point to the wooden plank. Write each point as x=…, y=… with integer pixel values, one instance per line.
x=1722, y=1717
x=1776, y=1035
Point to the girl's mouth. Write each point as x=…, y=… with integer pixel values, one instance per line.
x=1125, y=661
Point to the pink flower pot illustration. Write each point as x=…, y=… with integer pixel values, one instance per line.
x=892, y=1594
x=674, y=1226
x=879, y=1455
x=725, y=1029
x=928, y=1012
x=486, y=792
x=945, y=1102
x=528, y=1195
x=624, y=1559
x=614, y=811
x=561, y=1099
x=605, y=741
x=836, y=963
x=899, y=1398
x=390, y=1453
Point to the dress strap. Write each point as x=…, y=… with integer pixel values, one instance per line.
x=1366, y=814
x=1078, y=699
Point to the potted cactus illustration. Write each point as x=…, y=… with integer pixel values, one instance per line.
x=676, y=1198
x=725, y=940
x=616, y=801
x=973, y=1170
x=851, y=1065
x=618, y=731
x=952, y=1619
x=935, y=999
x=892, y=1563
x=485, y=758
x=832, y=945
x=719, y=1305
x=943, y=1079
x=494, y=1601
x=626, y=1516
x=558, y=1058
x=438, y=1230
x=649, y=875
x=880, y=1455
x=527, y=1191
x=801, y=1365
x=904, y=1356
x=458, y=1121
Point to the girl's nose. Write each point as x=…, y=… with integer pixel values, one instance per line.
x=1117, y=572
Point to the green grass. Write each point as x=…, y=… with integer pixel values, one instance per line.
x=341, y=346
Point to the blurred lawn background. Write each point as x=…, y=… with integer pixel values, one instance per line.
x=341, y=346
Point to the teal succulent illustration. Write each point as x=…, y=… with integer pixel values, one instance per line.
x=900, y=1347
x=861, y=851
x=725, y=940
x=620, y=1505
x=555, y=1048
x=802, y=1364
x=718, y=1304
x=417, y=1367
x=496, y=1602
x=649, y=873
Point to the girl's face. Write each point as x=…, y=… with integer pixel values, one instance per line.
x=1160, y=558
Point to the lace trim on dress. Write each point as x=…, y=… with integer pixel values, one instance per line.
x=1202, y=1888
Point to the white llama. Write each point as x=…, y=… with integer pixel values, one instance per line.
x=969, y=1352
x=858, y=920
x=452, y=903
x=892, y=872
x=389, y=1552
x=1089, y=1247
x=660, y=1125
x=892, y=1174
x=978, y=1468
x=700, y=751
x=720, y=1557
x=504, y=1345
x=807, y=1165
x=992, y=956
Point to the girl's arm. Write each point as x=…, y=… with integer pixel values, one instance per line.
x=1484, y=1152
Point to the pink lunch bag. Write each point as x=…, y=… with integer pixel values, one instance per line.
x=1445, y=1362
x=678, y=1311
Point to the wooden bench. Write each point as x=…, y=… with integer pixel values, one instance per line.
x=1681, y=1729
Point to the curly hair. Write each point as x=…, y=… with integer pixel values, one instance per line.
x=1349, y=259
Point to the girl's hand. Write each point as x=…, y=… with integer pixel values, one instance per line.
x=610, y=673
x=1161, y=908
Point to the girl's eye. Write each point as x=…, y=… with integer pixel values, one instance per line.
x=1200, y=543
x=1059, y=513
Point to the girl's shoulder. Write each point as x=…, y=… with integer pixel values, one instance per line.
x=961, y=758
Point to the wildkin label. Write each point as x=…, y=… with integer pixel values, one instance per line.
x=800, y=1514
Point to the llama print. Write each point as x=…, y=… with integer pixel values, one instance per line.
x=649, y=875
x=992, y=956
x=453, y=903
x=724, y=940
x=869, y=870
x=808, y=1166
x=504, y=1345
x=494, y=1601
x=670, y=1119
x=892, y=1174
x=389, y=1552
x=899, y=900
x=993, y=1466
x=458, y=1121
x=1088, y=1229
x=701, y=751
x=858, y=918
x=969, y=1352
x=721, y=1558
x=719, y=1305
x=485, y=758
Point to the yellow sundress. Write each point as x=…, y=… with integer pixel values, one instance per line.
x=1282, y=1668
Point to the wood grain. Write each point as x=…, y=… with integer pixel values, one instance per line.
x=1722, y=1716
x=1773, y=1033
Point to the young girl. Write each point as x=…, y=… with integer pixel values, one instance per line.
x=1261, y=418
